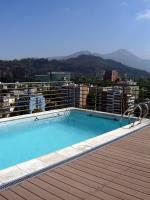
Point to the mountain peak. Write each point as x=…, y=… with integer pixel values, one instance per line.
x=74, y=55
x=121, y=55
x=126, y=57
x=124, y=52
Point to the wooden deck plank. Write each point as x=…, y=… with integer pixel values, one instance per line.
x=136, y=187
x=72, y=182
x=9, y=195
x=52, y=189
x=24, y=193
x=118, y=181
x=132, y=180
x=110, y=160
x=105, y=196
x=125, y=158
x=79, y=178
x=131, y=153
x=119, y=194
x=37, y=190
x=99, y=172
x=119, y=153
x=117, y=171
x=96, y=179
x=3, y=198
x=63, y=186
x=128, y=191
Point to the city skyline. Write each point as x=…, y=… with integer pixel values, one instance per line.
x=53, y=28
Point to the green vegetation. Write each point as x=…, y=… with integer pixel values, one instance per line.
x=85, y=68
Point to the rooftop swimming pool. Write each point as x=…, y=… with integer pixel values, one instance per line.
x=21, y=141
x=33, y=143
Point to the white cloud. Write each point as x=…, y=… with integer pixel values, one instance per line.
x=143, y=15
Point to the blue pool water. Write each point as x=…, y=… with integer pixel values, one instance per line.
x=22, y=141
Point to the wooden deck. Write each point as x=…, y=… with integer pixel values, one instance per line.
x=120, y=170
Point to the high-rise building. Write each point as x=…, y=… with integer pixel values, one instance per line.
x=111, y=75
x=53, y=76
x=29, y=104
x=7, y=105
x=114, y=100
x=81, y=94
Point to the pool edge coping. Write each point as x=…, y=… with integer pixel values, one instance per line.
x=38, y=165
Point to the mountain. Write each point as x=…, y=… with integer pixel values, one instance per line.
x=74, y=55
x=91, y=64
x=128, y=58
x=121, y=55
x=26, y=69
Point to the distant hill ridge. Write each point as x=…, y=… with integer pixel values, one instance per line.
x=128, y=58
x=121, y=55
x=25, y=69
x=74, y=55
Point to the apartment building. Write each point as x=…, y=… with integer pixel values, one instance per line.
x=81, y=95
x=114, y=100
x=53, y=76
x=29, y=104
x=111, y=75
x=7, y=105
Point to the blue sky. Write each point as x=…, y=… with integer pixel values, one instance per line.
x=45, y=28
